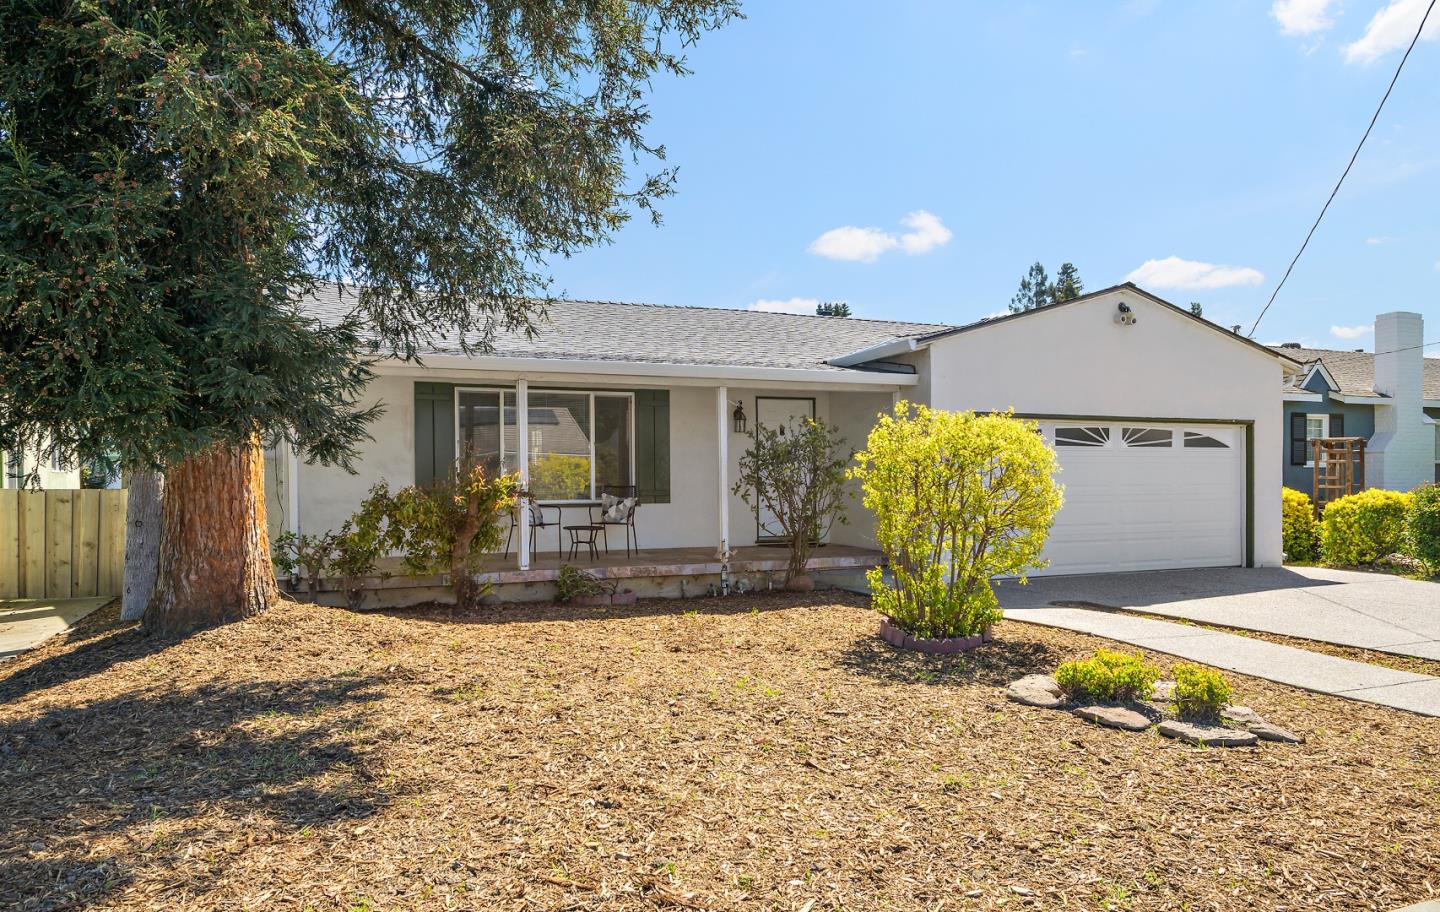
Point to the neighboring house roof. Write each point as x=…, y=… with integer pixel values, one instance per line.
x=653, y=333
x=1354, y=372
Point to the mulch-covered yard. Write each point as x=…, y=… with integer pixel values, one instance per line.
x=748, y=753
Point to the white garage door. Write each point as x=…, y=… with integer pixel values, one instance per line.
x=1147, y=496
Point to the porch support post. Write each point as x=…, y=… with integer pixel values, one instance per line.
x=292, y=486
x=522, y=462
x=722, y=450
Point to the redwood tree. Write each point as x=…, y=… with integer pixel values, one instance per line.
x=173, y=174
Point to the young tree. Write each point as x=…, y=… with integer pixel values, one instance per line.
x=958, y=498
x=172, y=176
x=832, y=309
x=1067, y=284
x=796, y=472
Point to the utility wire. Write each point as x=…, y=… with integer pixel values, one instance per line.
x=1326, y=208
x=1394, y=351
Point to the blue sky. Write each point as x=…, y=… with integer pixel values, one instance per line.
x=1105, y=134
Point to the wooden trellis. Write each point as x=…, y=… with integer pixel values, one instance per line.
x=1339, y=468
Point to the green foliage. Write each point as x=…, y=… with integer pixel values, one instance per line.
x=832, y=309
x=171, y=175
x=1299, y=530
x=1197, y=308
x=958, y=498
x=797, y=473
x=1200, y=693
x=1108, y=675
x=1037, y=290
x=557, y=476
x=1362, y=528
x=1423, y=526
x=312, y=553
x=573, y=583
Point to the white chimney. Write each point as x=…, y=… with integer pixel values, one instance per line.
x=1401, y=453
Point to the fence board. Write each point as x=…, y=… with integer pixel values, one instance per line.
x=9, y=544
x=85, y=544
x=112, y=542
x=32, y=544
x=59, y=526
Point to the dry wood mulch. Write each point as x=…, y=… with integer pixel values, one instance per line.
x=762, y=752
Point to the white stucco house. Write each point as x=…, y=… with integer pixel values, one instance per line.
x=1168, y=427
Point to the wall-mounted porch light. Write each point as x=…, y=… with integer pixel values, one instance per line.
x=738, y=416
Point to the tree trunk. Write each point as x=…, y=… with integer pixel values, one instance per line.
x=215, y=554
x=143, y=523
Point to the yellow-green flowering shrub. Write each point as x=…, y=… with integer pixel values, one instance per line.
x=1423, y=525
x=1200, y=693
x=1299, y=529
x=1108, y=675
x=958, y=498
x=1362, y=528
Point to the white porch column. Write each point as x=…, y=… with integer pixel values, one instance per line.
x=292, y=489
x=722, y=449
x=522, y=462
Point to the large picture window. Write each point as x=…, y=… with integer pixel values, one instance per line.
x=578, y=442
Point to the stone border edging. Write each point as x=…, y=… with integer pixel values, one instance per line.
x=948, y=646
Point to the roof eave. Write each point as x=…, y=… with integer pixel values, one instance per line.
x=658, y=370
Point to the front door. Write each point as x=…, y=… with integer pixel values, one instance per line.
x=782, y=413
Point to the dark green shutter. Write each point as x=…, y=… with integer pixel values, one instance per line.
x=434, y=431
x=1299, y=446
x=1337, y=426
x=652, y=445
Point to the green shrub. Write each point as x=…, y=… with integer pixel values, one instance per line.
x=1108, y=675
x=573, y=583
x=1299, y=530
x=1423, y=525
x=1200, y=693
x=1363, y=528
x=958, y=499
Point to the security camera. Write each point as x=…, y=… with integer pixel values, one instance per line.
x=1124, y=308
x=1124, y=316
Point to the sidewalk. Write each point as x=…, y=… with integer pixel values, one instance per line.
x=26, y=623
x=1245, y=655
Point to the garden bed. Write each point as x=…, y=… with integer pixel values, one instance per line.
x=761, y=752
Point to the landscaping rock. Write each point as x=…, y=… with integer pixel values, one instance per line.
x=1114, y=717
x=1164, y=692
x=1242, y=715
x=1268, y=731
x=1036, y=690
x=1207, y=735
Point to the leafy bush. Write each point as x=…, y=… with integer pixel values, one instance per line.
x=573, y=583
x=1423, y=526
x=1108, y=675
x=958, y=498
x=1200, y=693
x=1363, y=528
x=292, y=553
x=796, y=472
x=1299, y=530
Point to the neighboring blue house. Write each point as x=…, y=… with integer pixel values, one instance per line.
x=1391, y=397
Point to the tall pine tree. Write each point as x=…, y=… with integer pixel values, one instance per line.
x=173, y=174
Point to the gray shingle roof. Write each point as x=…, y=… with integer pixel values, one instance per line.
x=614, y=331
x=1355, y=371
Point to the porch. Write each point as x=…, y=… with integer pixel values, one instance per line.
x=654, y=572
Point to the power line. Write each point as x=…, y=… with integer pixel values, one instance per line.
x=1326, y=208
x=1396, y=351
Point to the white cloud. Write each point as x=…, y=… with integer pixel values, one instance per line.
x=862, y=245
x=1350, y=332
x=926, y=233
x=865, y=245
x=1376, y=241
x=1390, y=30
x=1303, y=17
x=788, y=306
x=1173, y=272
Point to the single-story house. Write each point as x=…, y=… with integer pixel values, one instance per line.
x=1390, y=396
x=1168, y=427
x=30, y=468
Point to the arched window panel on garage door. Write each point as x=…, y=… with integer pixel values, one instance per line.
x=1139, y=437
x=1082, y=436
x=1195, y=440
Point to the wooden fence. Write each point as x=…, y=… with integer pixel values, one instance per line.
x=62, y=544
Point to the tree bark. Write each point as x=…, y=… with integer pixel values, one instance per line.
x=143, y=524
x=215, y=554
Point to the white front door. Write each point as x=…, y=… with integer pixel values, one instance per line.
x=781, y=413
x=1147, y=496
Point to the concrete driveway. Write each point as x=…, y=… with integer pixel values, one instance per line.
x=1369, y=610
